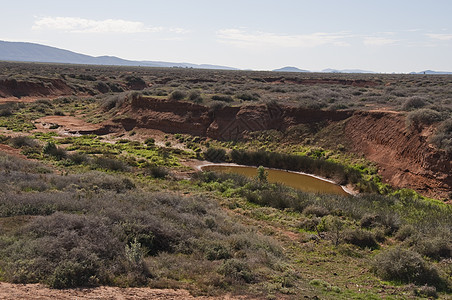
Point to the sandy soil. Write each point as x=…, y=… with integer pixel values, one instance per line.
x=40, y=292
x=11, y=151
x=66, y=123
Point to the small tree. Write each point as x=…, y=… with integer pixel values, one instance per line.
x=262, y=174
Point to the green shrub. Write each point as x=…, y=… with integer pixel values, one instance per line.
x=157, y=171
x=70, y=274
x=195, y=96
x=315, y=210
x=414, y=102
x=110, y=164
x=436, y=247
x=150, y=141
x=215, y=154
x=423, y=116
x=361, y=238
x=309, y=224
x=51, y=149
x=222, y=98
x=248, y=96
x=443, y=136
x=177, y=95
x=390, y=222
x=426, y=292
x=406, y=266
x=236, y=270
x=217, y=252
x=22, y=141
x=405, y=232
x=78, y=158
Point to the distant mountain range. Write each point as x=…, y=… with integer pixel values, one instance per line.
x=346, y=71
x=30, y=52
x=430, y=72
x=290, y=69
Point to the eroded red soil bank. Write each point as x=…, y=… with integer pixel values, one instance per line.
x=404, y=155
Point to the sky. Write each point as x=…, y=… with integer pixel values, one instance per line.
x=379, y=35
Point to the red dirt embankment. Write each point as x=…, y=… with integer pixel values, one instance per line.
x=37, y=88
x=226, y=123
x=404, y=156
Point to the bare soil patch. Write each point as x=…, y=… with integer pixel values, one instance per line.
x=38, y=291
x=11, y=151
x=65, y=123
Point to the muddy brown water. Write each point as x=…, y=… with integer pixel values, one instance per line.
x=303, y=182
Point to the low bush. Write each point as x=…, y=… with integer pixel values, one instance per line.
x=426, y=292
x=248, y=96
x=436, y=247
x=110, y=163
x=149, y=141
x=215, y=154
x=113, y=101
x=315, y=210
x=222, y=98
x=405, y=232
x=195, y=96
x=413, y=103
x=236, y=270
x=23, y=141
x=52, y=150
x=78, y=158
x=406, y=266
x=443, y=136
x=177, y=95
x=361, y=238
x=423, y=116
x=157, y=171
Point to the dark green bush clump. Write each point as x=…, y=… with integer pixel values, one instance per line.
x=236, y=270
x=437, y=246
x=177, y=95
x=110, y=163
x=113, y=101
x=215, y=154
x=222, y=98
x=361, y=238
x=157, y=171
x=315, y=210
x=52, y=150
x=426, y=292
x=22, y=141
x=195, y=96
x=406, y=266
x=413, y=103
x=443, y=137
x=248, y=97
x=423, y=116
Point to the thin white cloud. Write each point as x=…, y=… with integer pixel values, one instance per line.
x=440, y=36
x=378, y=41
x=243, y=38
x=80, y=25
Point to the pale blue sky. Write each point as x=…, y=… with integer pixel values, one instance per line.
x=383, y=36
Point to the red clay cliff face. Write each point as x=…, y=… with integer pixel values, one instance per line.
x=227, y=123
x=404, y=155
x=41, y=87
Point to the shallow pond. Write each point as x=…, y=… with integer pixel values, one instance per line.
x=303, y=182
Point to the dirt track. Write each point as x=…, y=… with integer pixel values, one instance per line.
x=38, y=291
